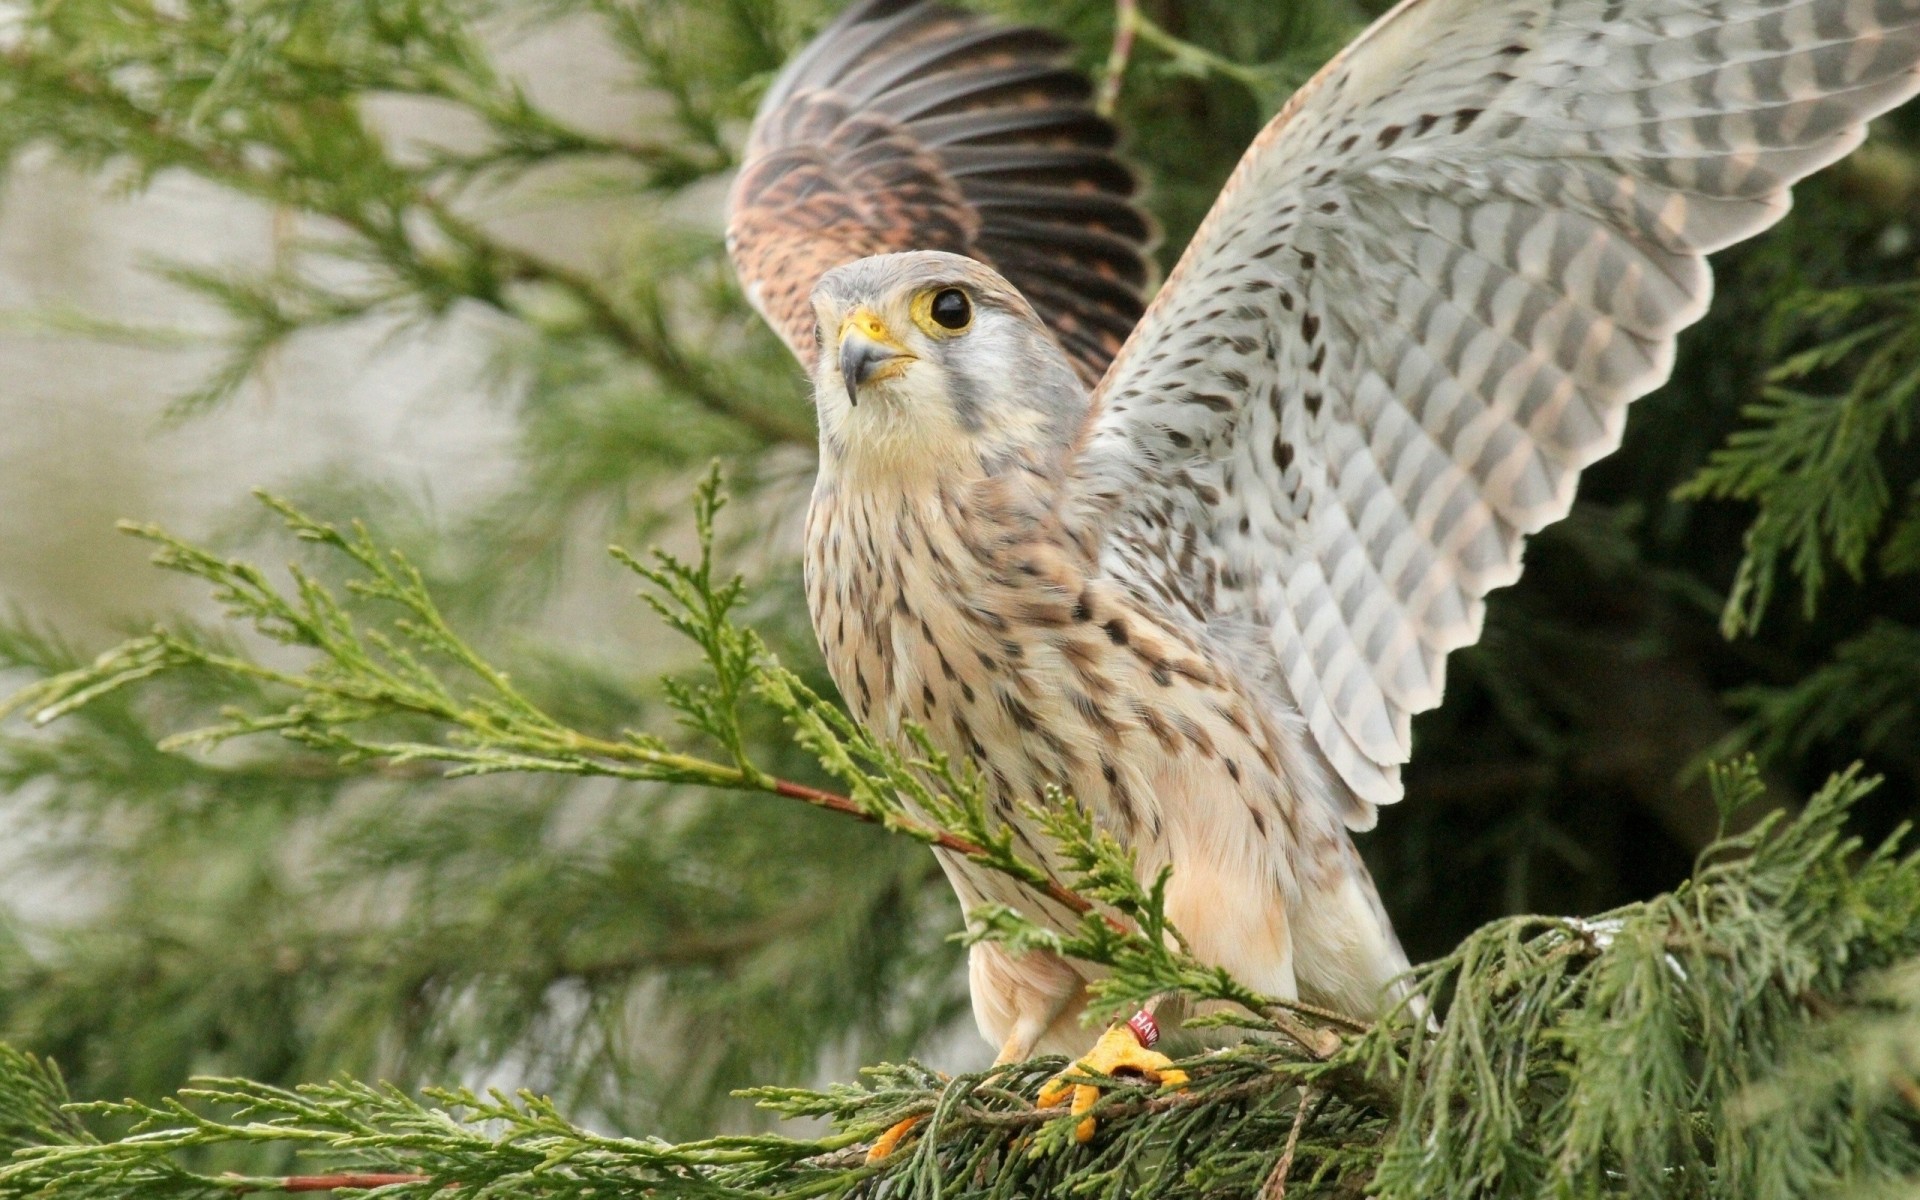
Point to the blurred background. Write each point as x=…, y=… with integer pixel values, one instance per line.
x=455, y=269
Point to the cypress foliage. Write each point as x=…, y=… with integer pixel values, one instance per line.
x=1754, y=1033
x=379, y=825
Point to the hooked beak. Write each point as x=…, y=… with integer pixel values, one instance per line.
x=867, y=351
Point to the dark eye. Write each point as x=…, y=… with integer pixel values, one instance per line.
x=951, y=309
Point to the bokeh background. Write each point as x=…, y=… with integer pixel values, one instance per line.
x=454, y=269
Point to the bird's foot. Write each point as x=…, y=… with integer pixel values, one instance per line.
x=1124, y=1050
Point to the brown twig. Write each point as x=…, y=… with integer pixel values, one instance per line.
x=244, y=1185
x=1326, y=1016
x=1276, y=1186
x=1321, y=1044
x=743, y=779
x=648, y=345
x=834, y=802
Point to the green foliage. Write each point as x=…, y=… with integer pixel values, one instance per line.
x=1825, y=469
x=1638, y=1071
x=33, y=1101
x=143, y=91
x=1751, y=1035
x=1813, y=463
x=1868, y=690
x=413, y=674
x=408, y=824
x=486, y=961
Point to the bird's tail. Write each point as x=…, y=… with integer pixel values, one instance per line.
x=1347, y=957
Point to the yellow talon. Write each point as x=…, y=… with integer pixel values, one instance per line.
x=890, y=1141
x=1118, y=1052
x=896, y=1133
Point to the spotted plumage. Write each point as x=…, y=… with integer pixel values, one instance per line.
x=1206, y=596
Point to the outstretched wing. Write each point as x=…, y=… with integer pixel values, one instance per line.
x=1421, y=307
x=909, y=125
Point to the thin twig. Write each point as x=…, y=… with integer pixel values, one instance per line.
x=658, y=353
x=968, y=1116
x=1326, y=1015
x=937, y=837
x=1276, y=1188
x=1321, y=1044
x=1126, y=14
x=722, y=776
x=1195, y=56
x=244, y=1185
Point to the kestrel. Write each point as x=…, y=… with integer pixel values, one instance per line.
x=1197, y=567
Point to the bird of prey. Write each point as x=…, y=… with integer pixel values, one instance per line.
x=1197, y=566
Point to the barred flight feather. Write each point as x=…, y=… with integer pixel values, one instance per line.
x=909, y=125
x=1422, y=305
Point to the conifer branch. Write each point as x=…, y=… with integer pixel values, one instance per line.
x=1276, y=1185
x=1751, y=1035
x=411, y=691
x=646, y=340
x=365, y=677
x=1699, y=1043
x=1814, y=460
x=93, y=95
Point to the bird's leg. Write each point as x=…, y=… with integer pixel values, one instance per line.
x=1122, y=1050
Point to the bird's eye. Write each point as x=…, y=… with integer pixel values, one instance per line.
x=951, y=309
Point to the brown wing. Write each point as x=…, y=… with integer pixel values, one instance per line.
x=908, y=125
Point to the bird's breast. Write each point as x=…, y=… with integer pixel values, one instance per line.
x=989, y=632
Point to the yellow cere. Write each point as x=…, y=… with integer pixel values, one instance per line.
x=865, y=321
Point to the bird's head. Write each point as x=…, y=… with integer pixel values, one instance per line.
x=931, y=363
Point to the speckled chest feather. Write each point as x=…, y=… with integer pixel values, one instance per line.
x=962, y=608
